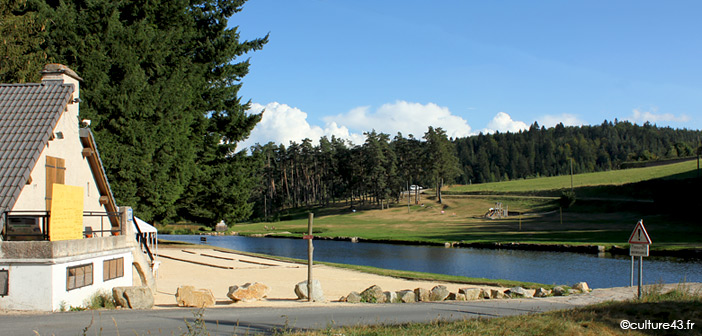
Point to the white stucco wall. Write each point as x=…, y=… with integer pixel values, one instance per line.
x=42, y=285
x=28, y=288
x=77, y=297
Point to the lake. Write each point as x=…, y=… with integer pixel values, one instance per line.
x=561, y=268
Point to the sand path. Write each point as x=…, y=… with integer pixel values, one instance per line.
x=217, y=270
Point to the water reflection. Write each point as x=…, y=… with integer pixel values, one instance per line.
x=532, y=266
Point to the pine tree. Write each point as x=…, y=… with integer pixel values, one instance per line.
x=161, y=85
x=21, y=34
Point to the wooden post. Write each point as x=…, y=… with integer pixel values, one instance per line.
x=310, y=249
x=409, y=196
x=571, y=174
x=520, y=221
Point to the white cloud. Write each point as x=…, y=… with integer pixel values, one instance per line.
x=503, y=122
x=565, y=118
x=282, y=123
x=405, y=117
x=642, y=117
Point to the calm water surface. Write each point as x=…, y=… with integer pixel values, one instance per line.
x=533, y=266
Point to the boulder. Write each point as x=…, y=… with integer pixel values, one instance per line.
x=542, y=292
x=456, y=297
x=496, y=294
x=373, y=294
x=317, y=293
x=517, y=292
x=134, y=297
x=484, y=293
x=582, y=286
x=559, y=291
x=353, y=297
x=118, y=295
x=421, y=294
x=470, y=293
x=248, y=292
x=390, y=297
x=439, y=293
x=188, y=296
x=406, y=296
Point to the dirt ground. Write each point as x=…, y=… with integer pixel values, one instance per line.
x=217, y=270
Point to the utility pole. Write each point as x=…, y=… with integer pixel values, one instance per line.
x=310, y=248
x=699, y=152
x=571, y=174
x=409, y=196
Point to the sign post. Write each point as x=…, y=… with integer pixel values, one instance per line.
x=639, y=243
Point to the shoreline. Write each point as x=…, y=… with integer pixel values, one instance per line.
x=282, y=275
x=574, y=247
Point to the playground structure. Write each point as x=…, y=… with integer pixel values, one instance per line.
x=498, y=211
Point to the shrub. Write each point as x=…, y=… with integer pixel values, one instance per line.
x=567, y=199
x=101, y=300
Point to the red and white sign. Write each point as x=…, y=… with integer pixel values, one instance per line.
x=640, y=236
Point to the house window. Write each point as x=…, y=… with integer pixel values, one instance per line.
x=79, y=276
x=4, y=282
x=112, y=269
x=55, y=173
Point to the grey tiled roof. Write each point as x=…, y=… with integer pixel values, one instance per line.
x=28, y=115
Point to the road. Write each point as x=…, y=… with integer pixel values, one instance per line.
x=241, y=321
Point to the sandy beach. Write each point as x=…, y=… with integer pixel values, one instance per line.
x=217, y=270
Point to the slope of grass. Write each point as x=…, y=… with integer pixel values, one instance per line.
x=613, y=177
x=604, y=214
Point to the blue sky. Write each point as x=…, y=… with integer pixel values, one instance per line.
x=343, y=67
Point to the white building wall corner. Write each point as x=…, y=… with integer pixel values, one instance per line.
x=28, y=287
x=80, y=297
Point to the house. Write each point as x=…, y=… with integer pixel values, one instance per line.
x=63, y=239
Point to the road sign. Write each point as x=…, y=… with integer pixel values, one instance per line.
x=638, y=250
x=639, y=241
x=640, y=236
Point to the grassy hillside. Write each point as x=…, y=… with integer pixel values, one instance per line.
x=608, y=178
x=608, y=206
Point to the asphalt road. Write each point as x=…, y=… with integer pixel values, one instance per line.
x=248, y=321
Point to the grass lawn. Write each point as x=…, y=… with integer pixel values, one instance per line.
x=605, y=213
x=614, y=177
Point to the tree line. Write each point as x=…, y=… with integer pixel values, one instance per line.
x=376, y=172
x=381, y=169
x=161, y=82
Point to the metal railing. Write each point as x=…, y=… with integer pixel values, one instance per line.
x=142, y=238
x=35, y=225
x=104, y=216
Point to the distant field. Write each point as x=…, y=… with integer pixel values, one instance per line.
x=613, y=177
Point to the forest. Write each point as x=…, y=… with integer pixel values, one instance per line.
x=379, y=170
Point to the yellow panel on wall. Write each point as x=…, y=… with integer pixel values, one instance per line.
x=66, y=221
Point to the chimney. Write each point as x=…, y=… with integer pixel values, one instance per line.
x=55, y=73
